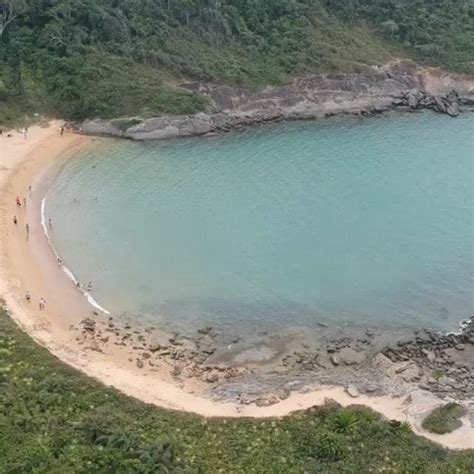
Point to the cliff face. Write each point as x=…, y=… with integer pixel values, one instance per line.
x=382, y=88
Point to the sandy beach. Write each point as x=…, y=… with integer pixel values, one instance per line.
x=28, y=264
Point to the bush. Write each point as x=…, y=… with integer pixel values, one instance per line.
x=345, y=421
x=444, y=419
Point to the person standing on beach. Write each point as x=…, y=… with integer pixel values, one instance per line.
x=61, y=130
x=50, y=224
x=27, y=296
x=24, y=202
x=42, y=303
x=27, y=228
x=30, y=190
x=18, y=202
x=15, y=220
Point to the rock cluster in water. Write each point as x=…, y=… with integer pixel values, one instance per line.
x=264, y=370
x=446, y=104
x=440, y=363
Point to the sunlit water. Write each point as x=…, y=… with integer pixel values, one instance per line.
x=347, y=221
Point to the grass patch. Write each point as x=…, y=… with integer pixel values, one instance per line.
x=444, y=419
x=124, y=124
x=54, y=420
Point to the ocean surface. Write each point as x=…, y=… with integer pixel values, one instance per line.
x=345, y=222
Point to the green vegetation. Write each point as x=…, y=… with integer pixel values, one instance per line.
x=55, y=420
x=111, y=58
x=444, y=419
x=439, y=32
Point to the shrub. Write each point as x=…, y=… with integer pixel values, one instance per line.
x=345, y=421
x=444, y=419
x=329, y=447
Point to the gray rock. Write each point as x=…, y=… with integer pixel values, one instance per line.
x=352, y=391
x=267, y=400
x=351, y=357
x=413, y=99
x=211, y=377
x=453, y=109
x=371, y=387
x=175, y=371
x=283, y=393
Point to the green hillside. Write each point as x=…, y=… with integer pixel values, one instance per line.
x=87, y=58
x=54, y=420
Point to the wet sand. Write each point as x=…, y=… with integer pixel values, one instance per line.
x=28, y=264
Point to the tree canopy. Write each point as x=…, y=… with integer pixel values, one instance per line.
x=84, y=58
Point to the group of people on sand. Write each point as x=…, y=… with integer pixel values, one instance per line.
x=88, y=287
x=22, y=203
x=41, y=303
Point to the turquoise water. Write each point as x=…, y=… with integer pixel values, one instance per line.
x=347, y=221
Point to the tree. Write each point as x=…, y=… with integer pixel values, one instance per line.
x=390, y=26
x=9, y=12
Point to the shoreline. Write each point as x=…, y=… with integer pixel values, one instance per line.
x=30, y=264
x=65, y=268
x=397, y=86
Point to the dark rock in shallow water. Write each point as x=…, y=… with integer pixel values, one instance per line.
x=88, y=324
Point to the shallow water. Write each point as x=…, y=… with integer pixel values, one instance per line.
x=346, y=221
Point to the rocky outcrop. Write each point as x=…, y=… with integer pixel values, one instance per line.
x=380, y=88
x=446, y=104
x=441, y=363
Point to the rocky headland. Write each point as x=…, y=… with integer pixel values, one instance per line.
x=402, y=85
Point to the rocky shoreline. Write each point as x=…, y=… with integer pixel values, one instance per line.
x=397, y=86
x=265, y=370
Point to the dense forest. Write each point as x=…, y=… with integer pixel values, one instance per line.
x=84, y=58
